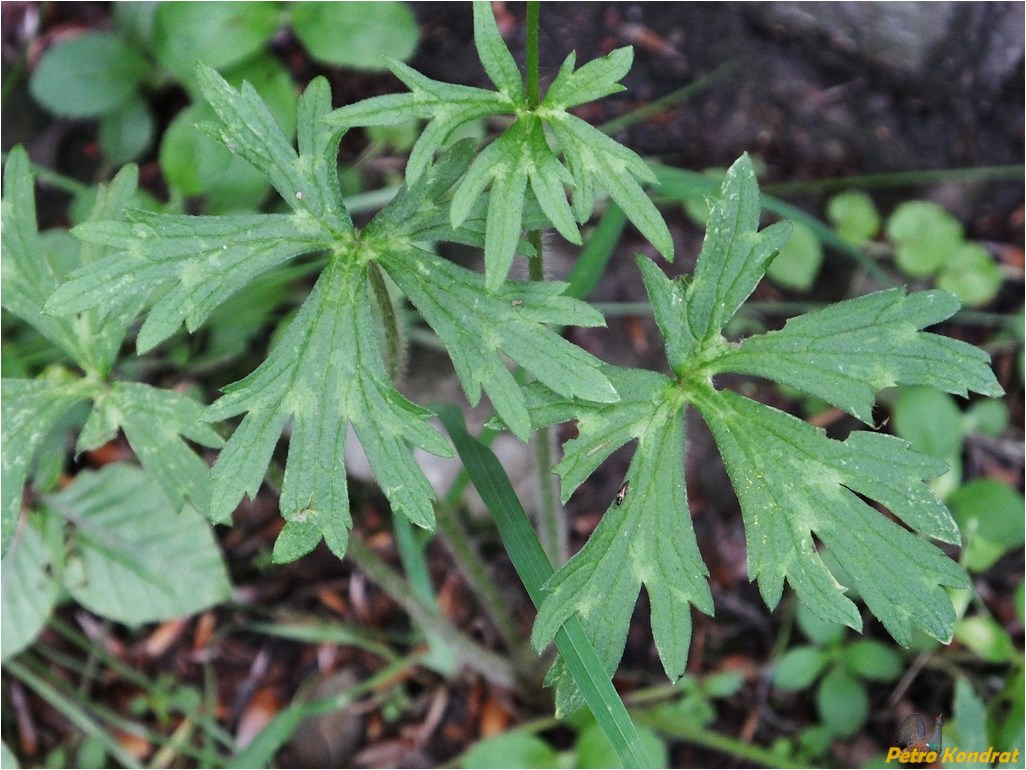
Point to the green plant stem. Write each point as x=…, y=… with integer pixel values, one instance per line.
x=283, y=726
x=480, y=581
x=552, y=527
x=52, y=178
x=492, y=667
x=533, y=7
x=144, y=683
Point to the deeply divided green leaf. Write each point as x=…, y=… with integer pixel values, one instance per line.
x=849, y=351
x=475, y=326
x=495, y=56
x=793, y=482
x=799, y=490
x=324, y=373
x=522, y=153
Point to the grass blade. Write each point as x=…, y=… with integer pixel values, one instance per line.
x=534, y=569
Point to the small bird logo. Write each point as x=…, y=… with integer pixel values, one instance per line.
x=912, y=734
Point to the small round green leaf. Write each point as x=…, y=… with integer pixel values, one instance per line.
x=929, y=420
x=196, y=164
x=358, y=35
x=799, y=667
x=853, y=216
x=134, y=21
x=985, y=637
x=88, y=76
x=873, y=660
x=842, y=702
x=126, y=133
x=514, y=749
x=814, y=741
x=988, y=416
x=972, y=275
x=723, y=684
x=926, y=237
x=219, y=34
x=797, y=264
x=993, y=508
x=817, y=630
x=989, y=514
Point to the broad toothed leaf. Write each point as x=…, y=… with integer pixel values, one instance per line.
x=522, y=154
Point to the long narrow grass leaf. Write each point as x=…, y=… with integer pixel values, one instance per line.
x=534, y=569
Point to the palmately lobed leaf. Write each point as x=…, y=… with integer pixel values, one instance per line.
x=308, y=180
x=30, y=410
x=734, y=255
x=495, y=56
x=522, y=154
x=325, y=372
x=596, y=79
x=645, y=540
x=800, y=491
x=30, y=274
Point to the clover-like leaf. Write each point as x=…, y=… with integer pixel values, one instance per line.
x=799, y=490
x=522, y=155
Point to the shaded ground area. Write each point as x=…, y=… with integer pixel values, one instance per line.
x=813, y=96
